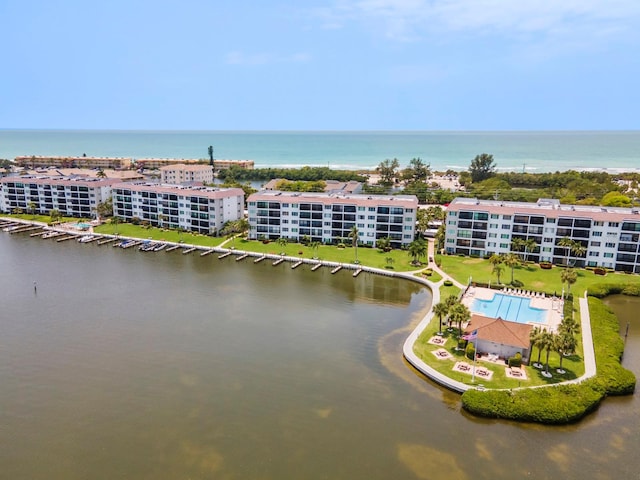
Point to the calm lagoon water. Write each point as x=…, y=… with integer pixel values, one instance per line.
x=164, y=366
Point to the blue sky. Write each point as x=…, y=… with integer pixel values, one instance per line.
x=321, y=65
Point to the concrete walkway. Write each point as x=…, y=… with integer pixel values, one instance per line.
x=446, y=381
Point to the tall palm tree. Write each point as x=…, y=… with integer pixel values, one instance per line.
x=534, y=341
x=578, y=250
x=441, y=309
x=459, y=313
x=529, y=246
x=418, y=249
x=497, y=270
x=314, y=247
x=564, y=343
x=517, y=244
x=450, y=301
x=547, y=342
x=354, y=238
x=568, y=276
x=384, y=244
x=511, y=260
x=566, y=243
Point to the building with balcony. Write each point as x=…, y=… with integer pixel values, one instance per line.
x=610, y=236
x=34, y=161
x=196, y=209
x=73, y=197
x=329, y=218
x=181, y=173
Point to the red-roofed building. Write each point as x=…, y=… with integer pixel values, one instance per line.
x=500, y=337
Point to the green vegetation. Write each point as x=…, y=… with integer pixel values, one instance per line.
x=530, y=275
x=304, y=173
x=41, y=218
x=154, y=233
x=564, y=403
x=370, y=257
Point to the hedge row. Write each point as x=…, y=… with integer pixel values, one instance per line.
x=601, y=290
x=564, y=403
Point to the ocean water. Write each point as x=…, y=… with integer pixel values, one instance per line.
x=533, y=152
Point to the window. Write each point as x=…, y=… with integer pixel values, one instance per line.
x=597, y=223
x=408, y=236
x=452, y=222
x=505, y=227
x=595, y=244
x=408, y=227
x=453, y=214
x=371, y=225
x=494, y=215
x=597, y=234
x=361, y=209
x=504, y=245
x=551, y=220
x=493, y=225
x=608, y=255
x=504, y=235
x=506, y=217
x=610, y=245
x=614, y=224
x=546, y=249
x=493, y=235
x=594, y=254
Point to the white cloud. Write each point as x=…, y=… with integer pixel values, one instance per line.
x=253, y=59
x=412, y=19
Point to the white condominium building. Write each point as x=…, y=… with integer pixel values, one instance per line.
x=197, y=209
x=610, y=236
x=73, y=197
x=181, y=173
x=329, y=218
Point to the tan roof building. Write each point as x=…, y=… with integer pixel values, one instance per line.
x=500, y=337
x=182, y=173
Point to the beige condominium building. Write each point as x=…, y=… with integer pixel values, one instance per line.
x=72, y=197
x=330, y=218
x=33, y=161
x=197, y=209
x=182, y=173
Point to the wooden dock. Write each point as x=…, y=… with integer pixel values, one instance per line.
x=26, y=228
x=220, y=257
x=336, y=270
x=207, y=252
x=188, y=250
x=107, y=240
x=242, y=257
x=259, y=259
x=297, y=264
x=172, y=248
x=133, y=244
x=278, y=262
x=37, y=234
x=316, y=267
x=65, y=238
x=357, y=272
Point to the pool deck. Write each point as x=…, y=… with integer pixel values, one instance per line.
x=553, y=305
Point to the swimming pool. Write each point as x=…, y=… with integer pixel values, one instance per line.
x=507, y=307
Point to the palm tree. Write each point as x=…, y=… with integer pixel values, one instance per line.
x=459, y=313
x=547, y=342
x=441, y=309
x=534, y=341
x=32, y=208
x=529, y=246
x=282, y=241
x=578, y=250
x=511, y=260
x=314, y=247
x=568, y=276
x=418, y=249
x=354, y=238
x=55, y=215
x=390, y=261
x=517, y=244
x=566, y=243
x=100, y=174
x=497, y=270
x=384, y=244
x=569, y=325
x=115, y=220
x=450, y=301
x=564, y=343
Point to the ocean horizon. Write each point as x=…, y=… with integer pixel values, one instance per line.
x=529, y=151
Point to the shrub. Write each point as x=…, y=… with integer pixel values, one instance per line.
x=135, y=221
x=546, y=265
x=428, y=272
x=516, y=360
x=517, y=283
x=570, y=402
x=470, y=351
x=599, y=271
x=448, y=283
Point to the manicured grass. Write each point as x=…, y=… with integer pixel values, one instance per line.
x=445, y=291
x=43, y=218
x=370, y=257
x=573, y=364
x=564, y=403
x=531, y=275
x=153, y=233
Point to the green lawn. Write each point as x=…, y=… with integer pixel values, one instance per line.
x=532, y=276
x=370, y=257
x=573, y=364
x=42, y=218
x=153, y=233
